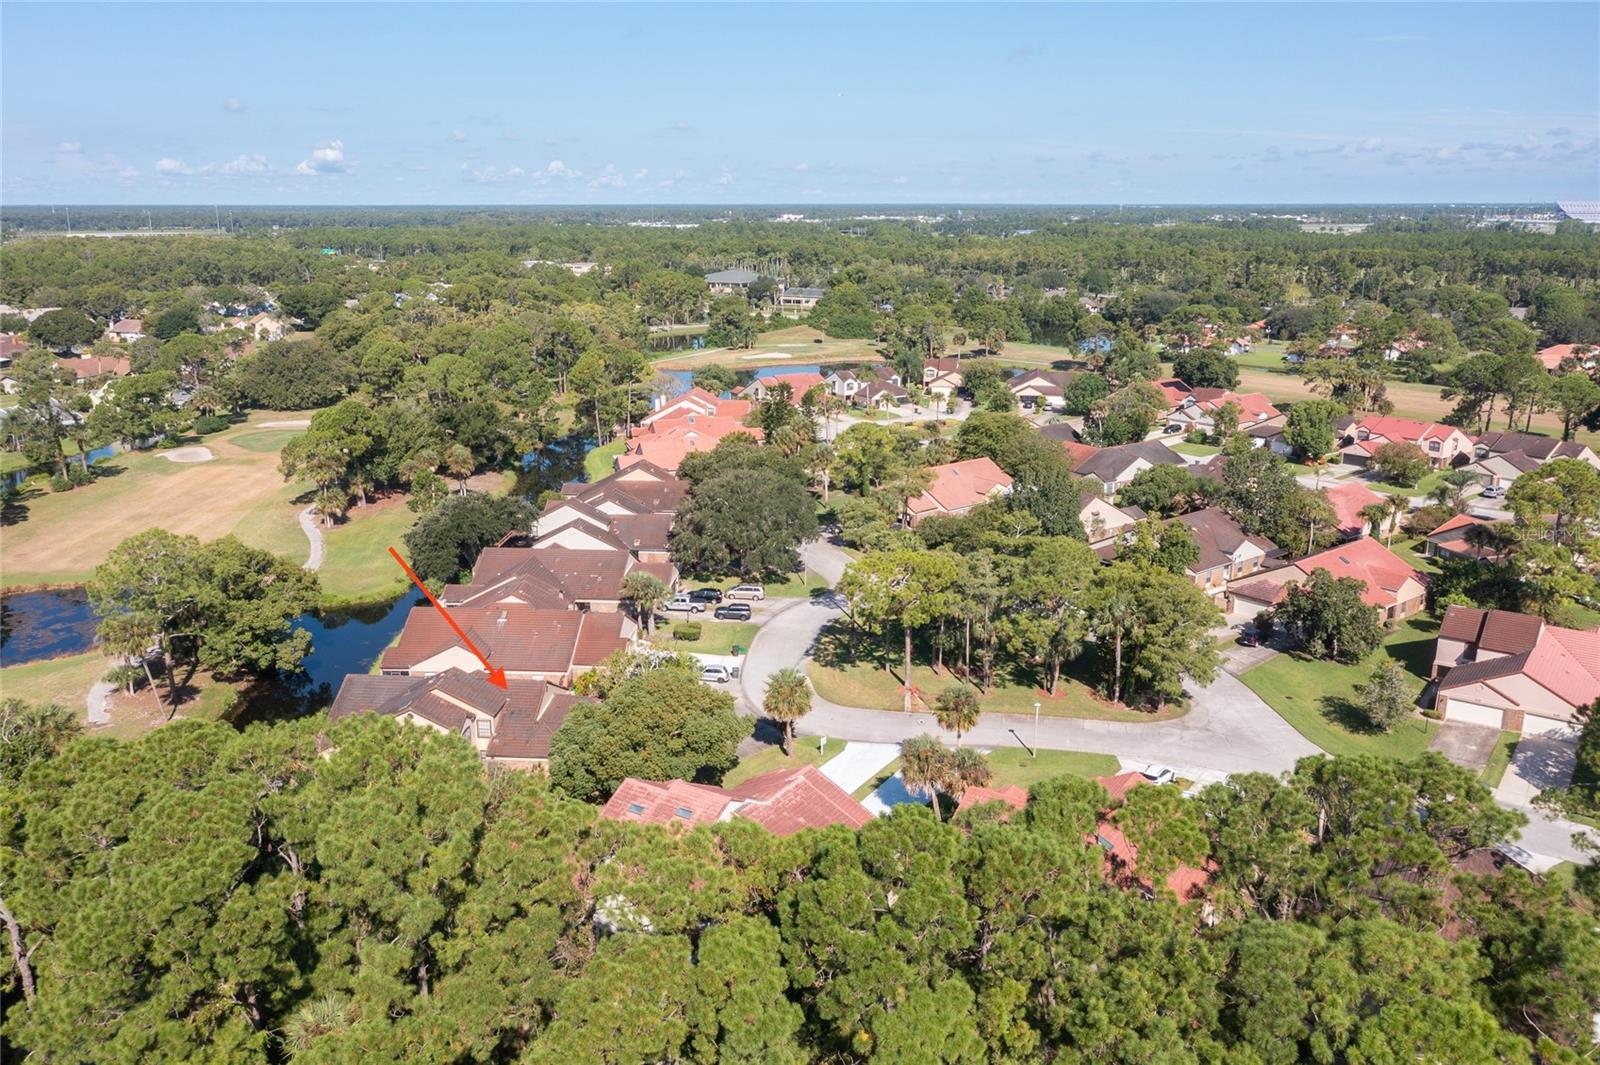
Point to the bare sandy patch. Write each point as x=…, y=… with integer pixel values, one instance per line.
x=286, y=423
x=189, y=454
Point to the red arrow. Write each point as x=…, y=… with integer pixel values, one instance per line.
x=497, y=677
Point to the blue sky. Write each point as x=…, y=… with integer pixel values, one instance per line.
x=664, y=103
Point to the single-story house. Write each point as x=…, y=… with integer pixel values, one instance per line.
x=86, y=368
x=799, y=384
x=1444, y=445
x=127, y=330
x=1456, y=539
x=510, y=727
x=784, y=801
x=667, y=443
x=1390, y=583
x=731, y=282
x=1227, y=552
x=1041, y=388
x=1348, y=500
x=880, y=395
x=11, y=345
x=1062, y=432
x=1269, y=434
x=1114, y=467
x=1581, y=356
x=957, y=487
x=1512, y=671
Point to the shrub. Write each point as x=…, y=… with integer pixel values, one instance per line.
x=59, y=483
x=207, y=424
x=687, y=631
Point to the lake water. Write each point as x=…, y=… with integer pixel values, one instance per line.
x=35, y=625
x=16, y=477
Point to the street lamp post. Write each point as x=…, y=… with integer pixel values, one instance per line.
x=1035, y=730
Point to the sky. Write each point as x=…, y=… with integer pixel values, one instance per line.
x=788, y=104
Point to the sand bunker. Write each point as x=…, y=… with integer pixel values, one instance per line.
x=767, y=355
x=189, y=454
x=291, y=423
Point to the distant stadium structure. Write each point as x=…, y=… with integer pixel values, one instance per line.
x=1581, y=210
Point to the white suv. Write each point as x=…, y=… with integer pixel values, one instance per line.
x=682, y=602
x=716, y=674
x=747, y=591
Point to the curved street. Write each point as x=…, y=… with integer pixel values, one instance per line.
x=1228, y=729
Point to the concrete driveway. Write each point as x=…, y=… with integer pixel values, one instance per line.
x=1540, y=762
x=1465, y=745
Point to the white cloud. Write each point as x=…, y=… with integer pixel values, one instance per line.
x=610, y=178
x=557, y=168
x=233, y=105
x=1371, y=144
x=325, y=158
x=801, y=168
x=168, y=165
x=490, y=175
x=70, y=148
x=725, y=178
x=641, y=173
x=901, y=179
x=459, y=136
x=681, y=126
x=245, y=164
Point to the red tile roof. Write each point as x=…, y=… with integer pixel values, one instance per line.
x=669, y=802
x=785, y=801
x=1014, y=795
x=516, y=637
x=1382, y=571
x=1408, y=429
x=1347, y=501
x=1553, y=356
x=959, y=486
x=1118, y=785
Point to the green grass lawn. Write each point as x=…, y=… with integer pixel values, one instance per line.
x=716, y=637
x=356, y=567
x=266, y=439
x=1318, y=698
x=795, y=586
x=65, y=680
x=769, y=758
x=1500, y=759
x=1411, y=551
x=850, y=674
x=600, y=461
x=1183, y=447
x=1421, y=488
x=1013, y=765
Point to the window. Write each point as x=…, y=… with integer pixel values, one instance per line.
x=1433, y=445
x=684, y=812
x=485, y=727
x=635, y=808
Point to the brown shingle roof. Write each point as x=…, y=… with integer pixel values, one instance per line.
x=1218, y=537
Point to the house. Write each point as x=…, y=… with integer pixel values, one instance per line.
x=783, y=801
x=1269, y=434
x=799, y=384
x=11, y=345
x=957, y=487
x=942, y=377
x=1175, y=391
x=1404, y=346
x=1106, y=524
x=1444, y=445
x=89, y=368
x=1041, y=388
x=1227, y=552
x=1514, y=672
x=1502, y=457
x=635, y=506
x=1574, y=356
x=557, y=577
x=1197, y=409
x=1015, y=796
x=1456, y=538
x=667, y=443
x=797, y=301
x=1122, y=857
x=1390, y=584
x=510, y=727
x=880, y=395
x=1348, y=500
x=1061, y=432
x=731, y=282
x=698, y=401
x=127, y=330
x=266, y=327
x=1114, y=467
x=528, y=642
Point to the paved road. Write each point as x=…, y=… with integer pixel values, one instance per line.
x=1228, y=729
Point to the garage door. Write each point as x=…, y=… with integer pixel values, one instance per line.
x=1534, y=725
x=1473, y=713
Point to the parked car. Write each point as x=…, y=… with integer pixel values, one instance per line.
x=747, y=591
x=706, y=595
x=1249, y=638
x=681, y=602
x=716, y=674
x=732, y=612
x=1493, y=491
x=1159, y=774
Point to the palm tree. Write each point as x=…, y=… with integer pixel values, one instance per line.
x=1398, y=505
x=332, y=502
x=957, y=710
x=459, y=461
x=1375, y=514
x=922, y=768
x=646, y=592
x=963, y=769
x=787, y=700
x=331, y=1014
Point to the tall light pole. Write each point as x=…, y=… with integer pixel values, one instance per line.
x=1035, y=730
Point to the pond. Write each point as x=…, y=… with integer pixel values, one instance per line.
x=36, y=625
x=16, y=477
